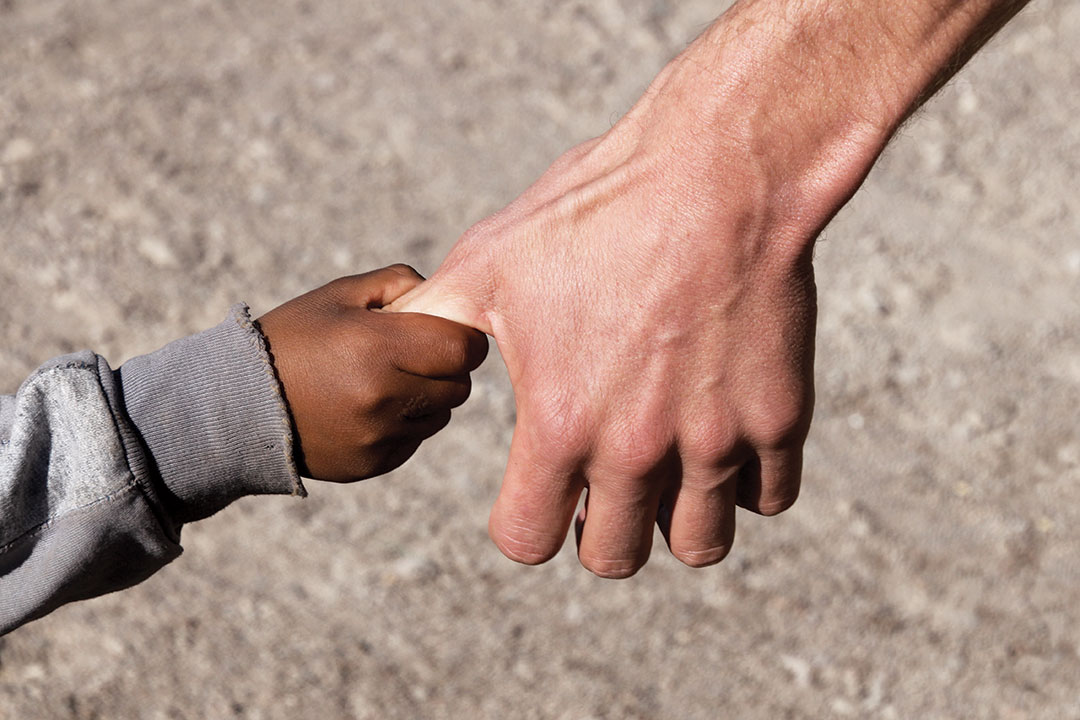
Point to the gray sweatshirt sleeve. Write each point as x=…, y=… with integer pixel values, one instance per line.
x=99, y=469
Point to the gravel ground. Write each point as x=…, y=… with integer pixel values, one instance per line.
x=159, y=161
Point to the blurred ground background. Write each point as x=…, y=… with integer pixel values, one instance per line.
x=159, y=161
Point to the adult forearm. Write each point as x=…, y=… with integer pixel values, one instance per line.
x=804, y=95
x=936, y=39
x=883, y=58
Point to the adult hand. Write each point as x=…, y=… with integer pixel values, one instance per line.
x=653, y=295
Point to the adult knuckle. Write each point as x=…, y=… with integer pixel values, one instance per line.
x=633, y=462
x=562, y=425
x=573, y=155
x=476, y=237
x=709, y=445
x=635, y=449
x=476, y=231
x=780, y=423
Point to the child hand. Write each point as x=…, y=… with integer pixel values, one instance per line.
x=364, y=387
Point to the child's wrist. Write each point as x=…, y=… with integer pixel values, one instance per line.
x=210, y=412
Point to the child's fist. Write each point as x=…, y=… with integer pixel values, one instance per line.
x=365, y=388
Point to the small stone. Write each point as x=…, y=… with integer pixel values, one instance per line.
x=33, y=672
x=324, y=82
x=1022, y=43
x=970, y=426
x=800, y=670
x=258, y=194
x=415, y=567
x=968, y=102
x=157, y=252
x=933, y=155
x=1069, y=455
x=1072, y=262
x=86, y=88
x=908, y=374
x=851, y=682
x=874, y=693
x=125, y=210
x=259, y=149
x=17, y=150
x=840, y=706
x=342, y=258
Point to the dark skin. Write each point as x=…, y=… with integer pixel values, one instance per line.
x=366, y=387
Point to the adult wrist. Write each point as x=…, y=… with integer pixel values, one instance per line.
x=768, y=95
x=798, y=100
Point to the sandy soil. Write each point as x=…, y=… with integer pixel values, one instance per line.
x=159, y=160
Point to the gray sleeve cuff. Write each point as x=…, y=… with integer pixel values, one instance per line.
x=211, y=413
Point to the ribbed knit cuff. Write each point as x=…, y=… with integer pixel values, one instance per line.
x=211, y=413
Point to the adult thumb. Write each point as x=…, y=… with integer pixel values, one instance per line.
x=456, y=292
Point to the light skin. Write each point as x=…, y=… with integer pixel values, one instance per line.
x=365, y=387
x=652, y=293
